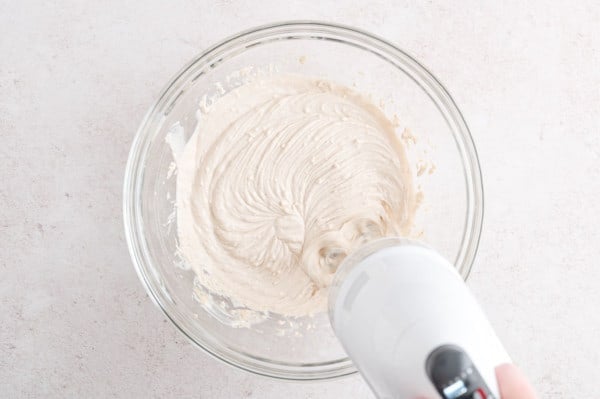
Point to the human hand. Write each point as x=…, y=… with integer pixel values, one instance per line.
x=513, y=384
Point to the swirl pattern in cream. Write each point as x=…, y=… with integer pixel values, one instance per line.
x=282, y=178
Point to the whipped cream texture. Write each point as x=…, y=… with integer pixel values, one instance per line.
x=282, y=179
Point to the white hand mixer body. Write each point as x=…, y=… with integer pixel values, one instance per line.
x=411, y=326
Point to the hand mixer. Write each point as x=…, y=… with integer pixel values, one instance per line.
x=411, y=326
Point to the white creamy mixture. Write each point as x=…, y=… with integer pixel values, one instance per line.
x=282, y=179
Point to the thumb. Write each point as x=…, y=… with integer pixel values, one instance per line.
x=513, y=384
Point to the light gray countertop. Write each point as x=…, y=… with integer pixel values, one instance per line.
x=75, y=81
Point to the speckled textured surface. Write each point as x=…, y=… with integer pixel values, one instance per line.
x=75, y=81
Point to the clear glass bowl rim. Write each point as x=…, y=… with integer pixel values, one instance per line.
x=133, y=223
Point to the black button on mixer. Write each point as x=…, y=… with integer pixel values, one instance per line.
x=454, y=375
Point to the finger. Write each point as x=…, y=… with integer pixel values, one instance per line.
x=513, y=384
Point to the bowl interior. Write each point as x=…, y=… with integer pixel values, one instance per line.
x=448, y=219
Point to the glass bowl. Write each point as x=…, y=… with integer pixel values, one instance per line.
x=449, y=218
